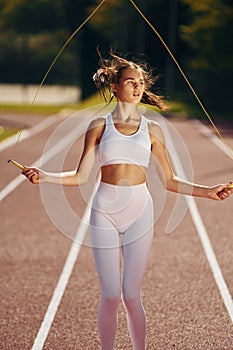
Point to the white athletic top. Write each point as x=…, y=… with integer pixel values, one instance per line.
x=117, y=148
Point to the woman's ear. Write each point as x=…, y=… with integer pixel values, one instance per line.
x=113, y=88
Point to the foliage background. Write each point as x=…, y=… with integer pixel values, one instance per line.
x=199, y=33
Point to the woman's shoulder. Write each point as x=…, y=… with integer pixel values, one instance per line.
x=96, y=127
x=155, y=129
x=98, y=122
x=153, y=125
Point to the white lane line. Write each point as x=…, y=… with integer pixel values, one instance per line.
x=26, y=133
x=63, y=280
x=218, y=276
x=11, y=186
x=47, y=156
x=196, y=217
x=211, y=136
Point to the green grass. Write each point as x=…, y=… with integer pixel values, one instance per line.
x=6, y=132
x=32, y=109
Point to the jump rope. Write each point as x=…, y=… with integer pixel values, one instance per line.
x=229, y=150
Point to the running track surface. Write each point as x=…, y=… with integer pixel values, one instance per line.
x=184, y=306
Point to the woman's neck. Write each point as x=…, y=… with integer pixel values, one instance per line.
x=125, y=112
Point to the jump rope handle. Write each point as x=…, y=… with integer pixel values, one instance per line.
x=18, y=165
x=230, y=185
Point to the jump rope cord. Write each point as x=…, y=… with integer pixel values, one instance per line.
x=164, y=44
x=230, y=151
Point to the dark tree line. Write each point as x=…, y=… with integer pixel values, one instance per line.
x=199, y=34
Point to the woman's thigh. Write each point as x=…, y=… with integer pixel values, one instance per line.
x=136, y=244
x=135, y=256
x=106, y=250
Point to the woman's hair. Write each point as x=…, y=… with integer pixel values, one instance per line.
x=110, y=72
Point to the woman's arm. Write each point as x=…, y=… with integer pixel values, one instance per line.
x=175, y=184
x=81, y=174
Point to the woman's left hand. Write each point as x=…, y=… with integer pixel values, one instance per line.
x=221, y=192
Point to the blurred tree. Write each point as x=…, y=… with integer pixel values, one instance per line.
x=171, y=42
x=209, y=37
x=209, y=33
x=35, y=16
x=85, y=44
x=31, y=33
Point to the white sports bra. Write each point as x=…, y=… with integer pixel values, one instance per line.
x=117, y=148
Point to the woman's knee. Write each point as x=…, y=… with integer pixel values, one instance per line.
x=130, y=298
x=110, y=300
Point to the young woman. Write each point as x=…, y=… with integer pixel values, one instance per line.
x=122, y=206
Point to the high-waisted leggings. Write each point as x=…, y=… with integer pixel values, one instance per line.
x=122, y=221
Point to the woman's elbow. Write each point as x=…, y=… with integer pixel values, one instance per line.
x=81, y=179
x=170, y=183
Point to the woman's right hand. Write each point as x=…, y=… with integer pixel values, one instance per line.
x=34, y=175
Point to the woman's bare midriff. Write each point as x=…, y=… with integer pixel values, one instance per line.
x=123, y=174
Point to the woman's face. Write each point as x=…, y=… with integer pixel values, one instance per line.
x=130, y=87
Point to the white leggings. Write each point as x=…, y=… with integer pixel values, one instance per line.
x=126, y=210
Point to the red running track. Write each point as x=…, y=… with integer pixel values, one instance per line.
x=184, y=306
